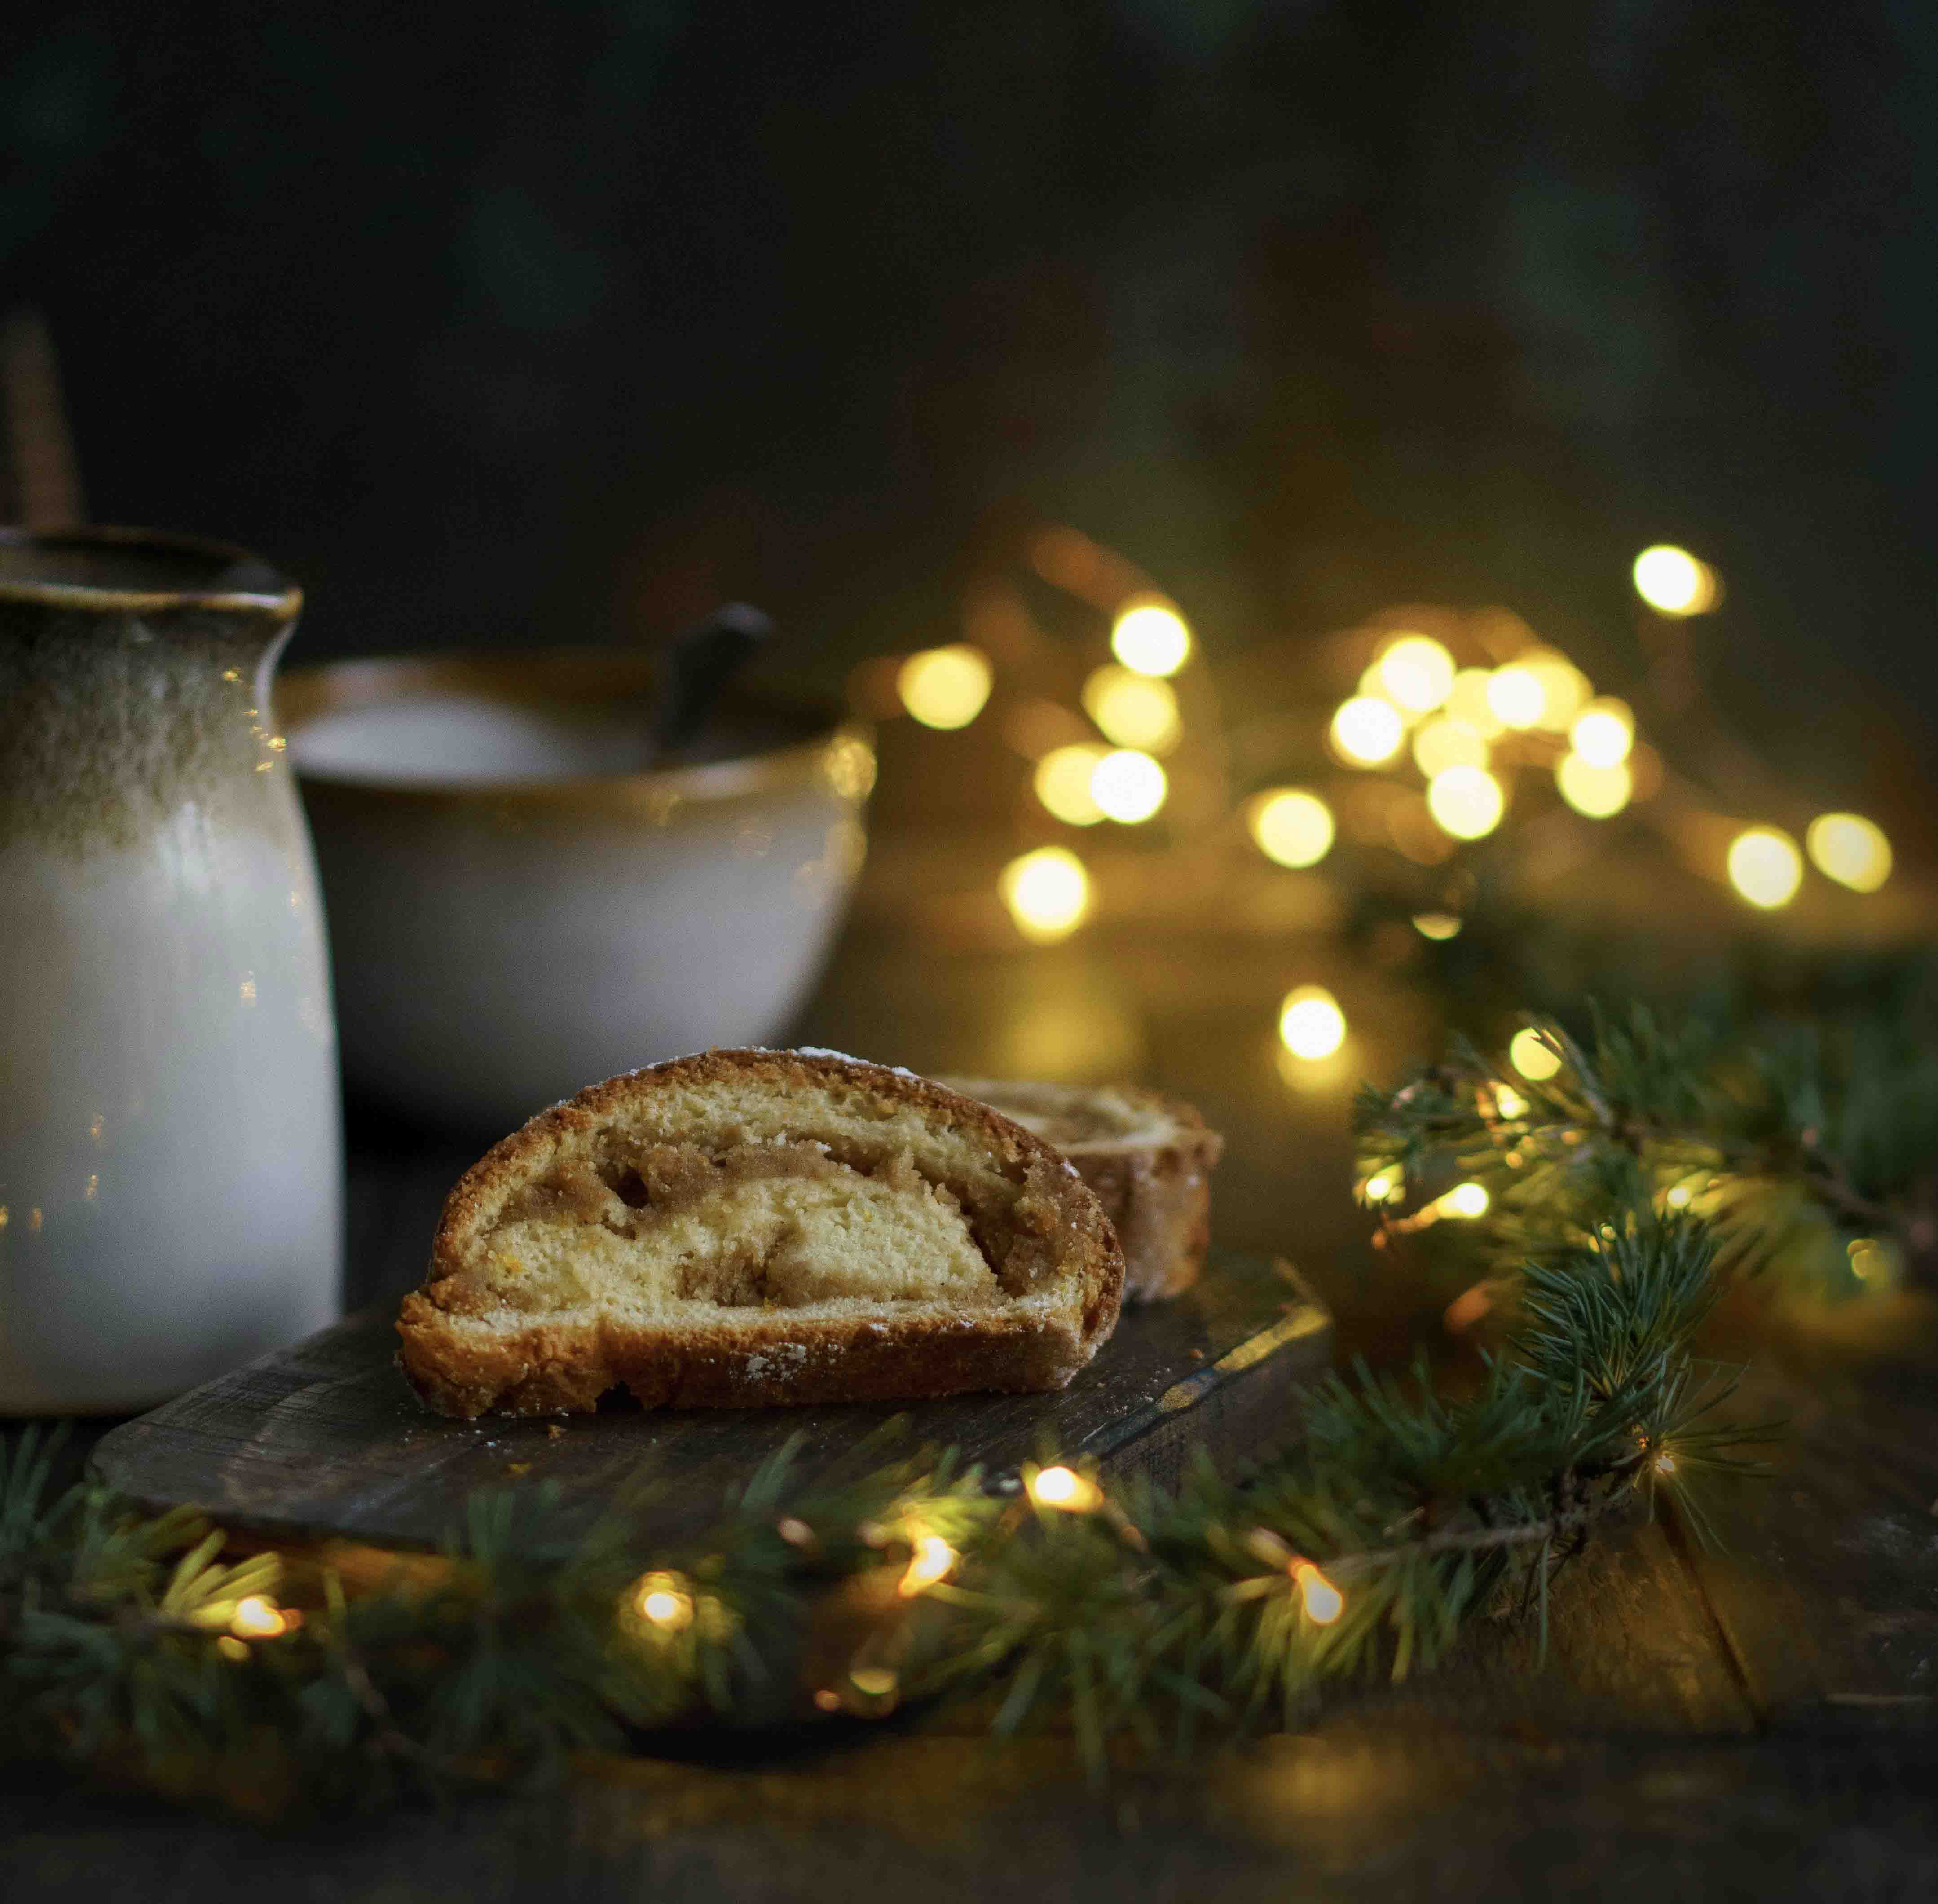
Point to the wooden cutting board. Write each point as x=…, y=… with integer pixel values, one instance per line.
x=325, y=1439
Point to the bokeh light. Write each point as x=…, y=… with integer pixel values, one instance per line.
x=1467, y=700
x=1673, y=581
x=1047, y=892
x=1311, y=1025
x=1765, y=867
x=1531, y=1055
x=1444, y=742
x=1516, y=697
x=1467, y=1200
x=1437, y=925
x=1416, y=673
x=1851, y=849
x=1129, y=786
x=1603, y=732
x=1131, y=709
x=1366, y=731
x=945, y=687
x=1564, y=687
x=1597, y=791
x=1465, y=801
x=1152, y=637
x=1062, y=783
x=1293, y=828
x=1323, y=1601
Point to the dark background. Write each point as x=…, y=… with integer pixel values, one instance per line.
x=542, y=321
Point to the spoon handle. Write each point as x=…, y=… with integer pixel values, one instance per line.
x=699, y=663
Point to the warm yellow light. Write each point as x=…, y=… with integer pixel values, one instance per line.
x=1665, y=1463
x=930, y=1560
x=1508, y=1102
x=1437, y=925
x=257, y=1618
x=661, y=1600
x=1151, y=637
x=1065, y=1488
x=1323, y=1601
x=1531, y=1055
x=1564, y=687
x=1293, y=828
x=1311, y=1025
x=1417, y=672
x=1678, y=1196
x=945, y=687
x=1603, y=732
x=1871, y=1261
x=1517, y=697
x=1130, y=787
x=1378, y=1189
x=1765, y=867
x=1465, y=1200
x=1132, y=710
x=1597, y=791
x=1673, y=581
x=1468, y=701
x=1851, y=849
x=1444, y=742
x=1465, y=801
x=1062, y=783
x=1047, y=892
x=1366, y=731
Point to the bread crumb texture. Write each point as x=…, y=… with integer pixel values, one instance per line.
x=745, y=1228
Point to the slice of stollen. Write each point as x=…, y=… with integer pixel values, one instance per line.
x=1149, y=1157
x=747, y=1228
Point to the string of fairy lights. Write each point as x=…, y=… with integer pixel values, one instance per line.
x=1451, y=720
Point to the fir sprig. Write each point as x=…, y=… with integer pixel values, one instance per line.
x=1144, y=1617
x=1812, y=1149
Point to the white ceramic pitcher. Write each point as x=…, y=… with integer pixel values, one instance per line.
x=170, y=1134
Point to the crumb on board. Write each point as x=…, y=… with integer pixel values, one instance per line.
x=1196, y=1354
x=554, y=1431
x=518, y=1467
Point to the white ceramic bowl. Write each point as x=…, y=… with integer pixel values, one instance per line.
x=516, y=910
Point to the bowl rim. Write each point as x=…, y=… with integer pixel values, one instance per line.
x=522, y=676
x=279, y=596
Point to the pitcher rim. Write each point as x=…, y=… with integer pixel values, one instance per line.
x=287, y=599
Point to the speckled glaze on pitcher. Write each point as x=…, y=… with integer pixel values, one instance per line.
x=170, y=1129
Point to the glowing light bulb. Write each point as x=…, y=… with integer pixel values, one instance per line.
x=1445, y=742
x=945, y=687
x=1065, y=1488
x=1851, y=849
x=1311, y=1025
x=1564, y=689
x=1665, y=1463
x=1322, y=1600
x=1047, y=892
x=1378, y=1189
x=1132, y=710
x=1598, y=792
x=1765, y=867
x=1152, y=637
x=1465, y=801
x=1531, y=1055
x=1678, y=1196
x=1438, y=925
x=1417, y=672
x=1509, y=1103
x=1603, y=732
x=257, y=1618
x=1129, y=786
x=1468, y=701
x=1467, y=1200
x=1366, y=731
x=1517, y=697
x=1293, y=828
x=1673, y=581
x=663, y=1601
x=1062, y=783
x=930, y=1560
x=1872, y=1261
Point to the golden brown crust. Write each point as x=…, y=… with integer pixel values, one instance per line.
x=1156, y=1192
x=460, y=1364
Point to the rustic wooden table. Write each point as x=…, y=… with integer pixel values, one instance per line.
x=1762, y=1724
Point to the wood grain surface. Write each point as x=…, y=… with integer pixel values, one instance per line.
x=326, y=1439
